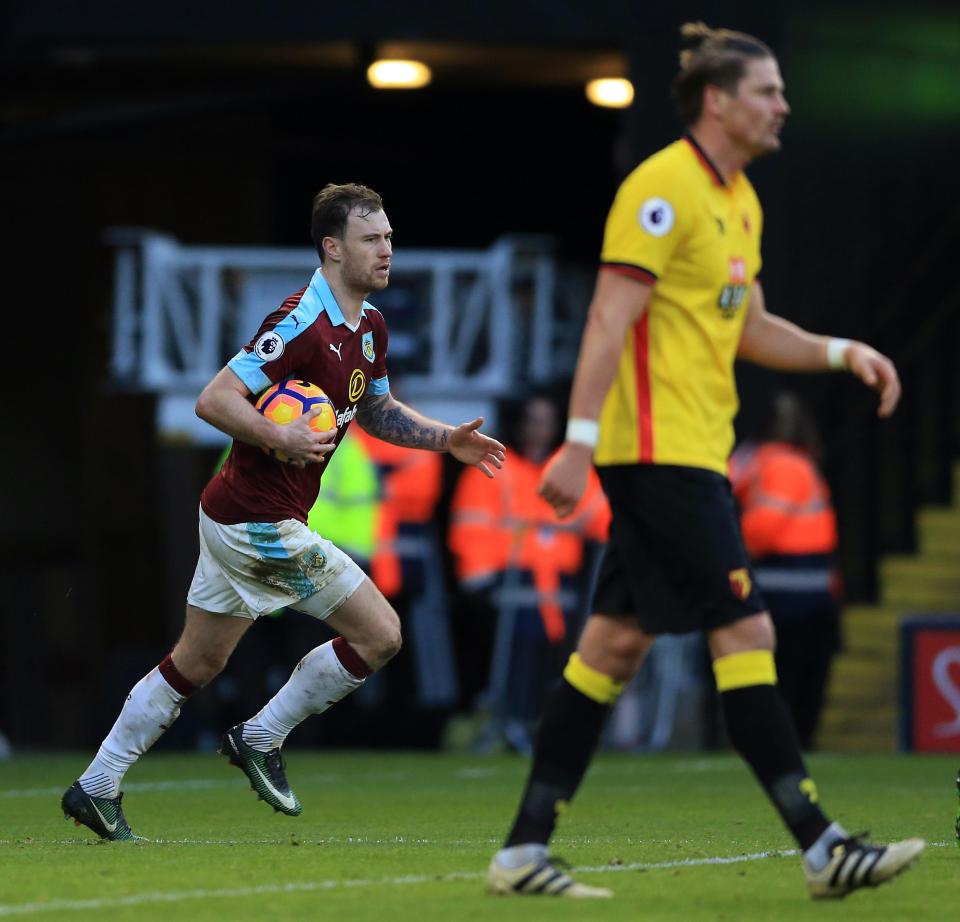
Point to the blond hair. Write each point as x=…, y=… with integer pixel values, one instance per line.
x=714, y=57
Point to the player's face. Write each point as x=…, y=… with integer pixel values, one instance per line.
x=538, y=431
x=366, y=250
x=754, y=117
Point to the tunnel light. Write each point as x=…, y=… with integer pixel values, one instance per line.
x=611, y=92
x=398, y=75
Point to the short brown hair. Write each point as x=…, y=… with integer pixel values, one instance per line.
x=711, y=57
x=332, y=206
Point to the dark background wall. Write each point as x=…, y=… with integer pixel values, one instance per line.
x=128, y=115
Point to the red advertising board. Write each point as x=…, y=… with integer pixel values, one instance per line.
x=931, y=684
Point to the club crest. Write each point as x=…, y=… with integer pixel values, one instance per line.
x=367, y=348
x=740, y=582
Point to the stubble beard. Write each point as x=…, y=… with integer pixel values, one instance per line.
x=364, y=283
x=763, y=147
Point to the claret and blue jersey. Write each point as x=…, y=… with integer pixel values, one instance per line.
x=307, y=337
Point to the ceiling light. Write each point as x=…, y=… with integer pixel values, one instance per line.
x=398, y=75
x=612, y=92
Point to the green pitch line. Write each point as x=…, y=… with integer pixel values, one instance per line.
x=407, y=837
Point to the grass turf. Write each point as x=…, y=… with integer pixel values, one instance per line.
x=408, y=836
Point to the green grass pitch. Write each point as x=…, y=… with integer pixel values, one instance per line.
x=407, y=837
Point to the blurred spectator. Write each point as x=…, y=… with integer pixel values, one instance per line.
x=347, y=508
x=525, y=568
x=790, y=530
x=407, y=566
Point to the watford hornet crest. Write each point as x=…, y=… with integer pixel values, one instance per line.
x=740, y=582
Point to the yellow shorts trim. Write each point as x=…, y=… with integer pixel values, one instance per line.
x=740, y=670
x=595, y=685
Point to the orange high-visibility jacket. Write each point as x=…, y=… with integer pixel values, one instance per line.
x=410, y=487
x=784, y=501
x=502, y=522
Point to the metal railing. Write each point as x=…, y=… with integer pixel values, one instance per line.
x=461, y=322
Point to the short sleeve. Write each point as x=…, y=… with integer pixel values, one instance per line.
x=379, y=380
x=647, y=220
x=272, y=355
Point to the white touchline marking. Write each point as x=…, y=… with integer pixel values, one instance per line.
x=82, y=840
x=203, y=784
x=474, y=772
x=195, y=784
x=177, y=896
x=188, y=784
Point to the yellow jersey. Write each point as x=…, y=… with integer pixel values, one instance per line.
x=676, y=225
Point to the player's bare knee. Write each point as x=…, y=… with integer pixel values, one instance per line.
x=753, y=633
x=391, y=643
x=758, y=632
x=199, y=667
x=628, y=645
x=388, y=640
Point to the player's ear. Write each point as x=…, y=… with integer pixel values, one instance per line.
x=714, y=99
x=332, y=248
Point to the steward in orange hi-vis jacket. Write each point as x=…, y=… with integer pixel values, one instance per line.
x=510, y=548
x=789, y=527
x=411, y=480
x=498, y=526
x=407, y=567
x=784, y=507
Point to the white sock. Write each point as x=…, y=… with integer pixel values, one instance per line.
x=516, y=856
x=817, y=857
x=319, y=681
x=150, y=708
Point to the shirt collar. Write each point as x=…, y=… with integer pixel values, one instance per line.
x=705, y=161
x=321, y=288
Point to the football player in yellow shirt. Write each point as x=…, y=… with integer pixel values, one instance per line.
x=677, y=300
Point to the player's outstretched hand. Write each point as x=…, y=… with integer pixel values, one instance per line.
x=471, y=447
x=301, y=444
x=877, y=372
x=565, y=478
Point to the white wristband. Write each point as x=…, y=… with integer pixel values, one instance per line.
x=836, y=354
x=583, y=431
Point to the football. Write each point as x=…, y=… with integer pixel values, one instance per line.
x=289, y=399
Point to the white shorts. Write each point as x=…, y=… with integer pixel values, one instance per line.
x=255, y=568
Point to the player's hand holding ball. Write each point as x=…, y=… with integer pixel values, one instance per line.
x=303, y=442
x=307, y=421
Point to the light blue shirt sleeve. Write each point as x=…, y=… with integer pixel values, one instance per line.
x=248, y=367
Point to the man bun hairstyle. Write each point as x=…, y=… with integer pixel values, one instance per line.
x=333, y=204
x=711, y=57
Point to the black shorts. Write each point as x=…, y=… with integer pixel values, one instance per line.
x=675, y=560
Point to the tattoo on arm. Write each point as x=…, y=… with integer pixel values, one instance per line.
x=387, y=418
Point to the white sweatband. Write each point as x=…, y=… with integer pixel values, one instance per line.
x=583, y=431
x=836, y=358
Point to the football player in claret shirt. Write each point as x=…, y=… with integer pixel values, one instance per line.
x=256, y=552
x=677, y=301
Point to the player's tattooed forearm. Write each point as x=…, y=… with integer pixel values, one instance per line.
x=391, y=421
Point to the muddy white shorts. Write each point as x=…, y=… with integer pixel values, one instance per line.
x=255, y=568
